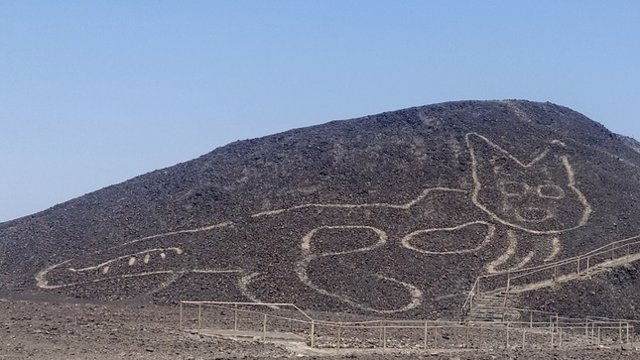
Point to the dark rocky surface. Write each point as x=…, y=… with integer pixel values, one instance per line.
x=611, y=294
x=483, y=174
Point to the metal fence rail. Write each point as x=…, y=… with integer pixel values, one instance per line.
x=613, y=254
x=286, y=321
x=530, y=329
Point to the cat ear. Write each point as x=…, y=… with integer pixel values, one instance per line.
x=486, y=153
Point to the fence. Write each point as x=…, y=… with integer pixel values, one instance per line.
x=287, y=322
x=616, y=253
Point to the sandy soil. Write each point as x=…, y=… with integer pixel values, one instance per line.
x=63, y=330
x=38, y=330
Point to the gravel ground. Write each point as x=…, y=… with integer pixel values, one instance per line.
x=63, y=330
x=38, y=330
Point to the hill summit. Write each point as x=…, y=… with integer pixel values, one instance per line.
x=392, y=214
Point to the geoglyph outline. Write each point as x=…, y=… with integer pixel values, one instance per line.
x=405, y=241
x=308, y=256
x=565, y=162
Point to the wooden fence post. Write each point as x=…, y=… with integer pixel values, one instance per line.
x=384, y=338
x=264, y=328
x=551, y=329
x=620, y=332
x=559, y=337
x=426, y=333
x=612, y=249
x=586, y=328
x=506, y=296
x=578, y=270
x=466, y=336
x=235, y=318
x=180, y=315
x=312, y=334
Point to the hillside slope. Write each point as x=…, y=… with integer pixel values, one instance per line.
x=394, y=213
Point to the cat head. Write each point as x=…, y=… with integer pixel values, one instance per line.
x=539, y=197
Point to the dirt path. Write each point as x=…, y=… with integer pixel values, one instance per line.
x=46, y=330
x=37, y=330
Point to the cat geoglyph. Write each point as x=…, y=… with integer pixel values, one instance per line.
x=530, y=204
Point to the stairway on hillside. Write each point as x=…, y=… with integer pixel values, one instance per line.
x=604, y=265
x=491, y=307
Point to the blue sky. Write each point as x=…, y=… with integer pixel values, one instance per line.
x=95, y=92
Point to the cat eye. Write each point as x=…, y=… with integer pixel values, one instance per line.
x=550, y=191
x=513, y=188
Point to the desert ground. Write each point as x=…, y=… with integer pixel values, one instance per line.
x=65, y=329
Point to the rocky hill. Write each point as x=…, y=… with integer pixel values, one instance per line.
x=393, y=214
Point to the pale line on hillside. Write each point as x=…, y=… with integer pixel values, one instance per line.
x=537, y=268
x=491, y=268
x=41, y=276
x=497, y=147
x=595, y=269
x=306, y=240
x=229, y=223
x=405, y=206
x=561, y=194
x=43, y=283
x=572, y=184
x=243, y=285
x=558, y=142
x=511, y=250
x=548, y=215
x=555, y=243
x=478, y=185
x=415, y=292
x=308, y=257
x=210, y=271
x=129, y=256
x=406, y=241
x=522, y=262
x=163, y=285
x=178, y=232
x=516, y=110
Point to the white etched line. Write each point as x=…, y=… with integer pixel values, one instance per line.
x=405, y=206
x=130, y=258
x=406, y=241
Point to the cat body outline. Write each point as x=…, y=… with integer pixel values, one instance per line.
x=494, y=171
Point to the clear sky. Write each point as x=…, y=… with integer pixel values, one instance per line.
x=95, y=92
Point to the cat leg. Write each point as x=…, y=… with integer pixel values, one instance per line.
x=554, y=250
x=525, y=251
x=514, y=257
x=339, y=262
